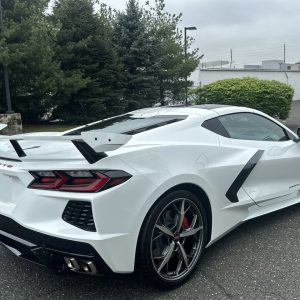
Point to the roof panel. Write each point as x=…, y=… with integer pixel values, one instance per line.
x=210, y=106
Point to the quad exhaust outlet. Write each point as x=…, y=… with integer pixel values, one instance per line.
x=80, y=265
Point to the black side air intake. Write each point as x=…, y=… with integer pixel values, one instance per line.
x=80, y=214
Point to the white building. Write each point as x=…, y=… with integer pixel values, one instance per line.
x=274, y=64
x=295, y=67
x=207, y=76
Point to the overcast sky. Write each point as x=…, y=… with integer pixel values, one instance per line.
x=255, y=29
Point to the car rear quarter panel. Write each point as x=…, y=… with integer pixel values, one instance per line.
x=195, y=158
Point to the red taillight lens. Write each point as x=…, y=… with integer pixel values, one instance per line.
x=77, y=181
x=92, y=184
x=48, y=180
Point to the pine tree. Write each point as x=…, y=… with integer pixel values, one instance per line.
x=27, y=48
x=132, y=42
x=169, y=64
x=84, y=46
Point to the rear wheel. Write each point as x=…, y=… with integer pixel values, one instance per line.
x=172, y=239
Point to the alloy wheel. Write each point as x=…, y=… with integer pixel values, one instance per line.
x=177, y=239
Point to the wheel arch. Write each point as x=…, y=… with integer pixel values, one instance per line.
x=201, y=195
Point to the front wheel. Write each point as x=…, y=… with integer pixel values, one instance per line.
x=172, y=239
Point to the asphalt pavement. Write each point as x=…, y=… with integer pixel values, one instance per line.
x=258, y=260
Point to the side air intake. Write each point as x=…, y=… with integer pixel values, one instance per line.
x=80, y=214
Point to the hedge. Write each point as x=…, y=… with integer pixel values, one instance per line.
x=270, y=96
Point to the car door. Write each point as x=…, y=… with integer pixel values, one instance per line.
x=276, y=175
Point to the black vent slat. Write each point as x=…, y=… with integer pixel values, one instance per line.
x=79, y=214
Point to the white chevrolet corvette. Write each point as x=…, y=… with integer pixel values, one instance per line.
x=146, y=191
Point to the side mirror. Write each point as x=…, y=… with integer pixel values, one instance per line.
x=298, y=131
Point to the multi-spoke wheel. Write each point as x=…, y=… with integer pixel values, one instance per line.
x=172, y=239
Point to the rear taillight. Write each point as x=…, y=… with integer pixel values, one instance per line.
x=77, y=181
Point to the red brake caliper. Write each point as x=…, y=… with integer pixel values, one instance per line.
x=185, y=223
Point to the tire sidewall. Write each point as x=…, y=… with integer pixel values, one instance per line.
x=144, y=259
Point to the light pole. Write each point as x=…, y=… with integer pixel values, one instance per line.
x=5, y=69
x=185, y=52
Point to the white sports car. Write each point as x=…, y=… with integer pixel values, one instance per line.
x=146, y=191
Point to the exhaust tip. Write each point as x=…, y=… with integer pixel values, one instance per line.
x=82, y=266
x=89, y=267
x=72, y=263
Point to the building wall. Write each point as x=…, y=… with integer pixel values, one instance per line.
x=291, y=78
x=271, y=64
x=295, y=67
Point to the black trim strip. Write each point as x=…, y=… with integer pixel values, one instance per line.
x=16, y=239
x=231, y=194
x=37, y=247
x=18, y=148
x=10, y=159
x=88, y=152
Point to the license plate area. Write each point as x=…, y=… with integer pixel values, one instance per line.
x=5, y=188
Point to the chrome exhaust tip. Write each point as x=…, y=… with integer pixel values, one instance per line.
x=72, y=264
x=82, y=266
x=89, y=267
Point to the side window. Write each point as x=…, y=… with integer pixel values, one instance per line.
x=215, y=126
x=248, y=126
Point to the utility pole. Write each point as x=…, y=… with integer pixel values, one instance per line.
x=200, y=69
x=185, y=53
x=230, y=58
x=5, y=69
x=284, y=53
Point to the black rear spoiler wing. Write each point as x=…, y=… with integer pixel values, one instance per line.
x=92, y=145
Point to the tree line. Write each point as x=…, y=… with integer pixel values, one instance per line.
x=84, y=61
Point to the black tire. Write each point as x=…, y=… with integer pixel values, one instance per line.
x=159, y=254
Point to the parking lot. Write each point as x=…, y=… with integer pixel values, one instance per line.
x=258, y=260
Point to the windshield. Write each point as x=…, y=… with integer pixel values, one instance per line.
x=129, y=124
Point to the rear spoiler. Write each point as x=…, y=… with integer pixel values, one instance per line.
x=92, y=145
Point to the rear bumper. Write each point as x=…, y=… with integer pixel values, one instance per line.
x=55, y=253
x=118, y=214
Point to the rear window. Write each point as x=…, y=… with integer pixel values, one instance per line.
x=129, y=124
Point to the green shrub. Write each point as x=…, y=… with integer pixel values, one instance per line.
x=270, y=96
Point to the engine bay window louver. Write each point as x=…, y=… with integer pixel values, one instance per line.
x=80, y=214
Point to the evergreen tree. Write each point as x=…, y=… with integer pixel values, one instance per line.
x=26, y=47
x=132, y=42
x=169, y=64
x=84, y=46
x=83, y=65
